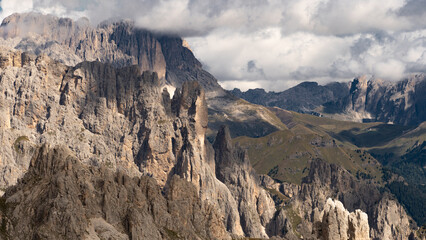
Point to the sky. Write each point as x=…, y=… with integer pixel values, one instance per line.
x=273, y=44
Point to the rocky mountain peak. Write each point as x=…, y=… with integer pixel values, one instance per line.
x=327, y=180
x=185, y=99
x=234, y=170
x=228, y=156
x=339, y=223
x=119, y=43
x=223, y=140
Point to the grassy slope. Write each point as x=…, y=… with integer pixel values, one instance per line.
x=400, y=145
x=285, y=154
x=372, y=137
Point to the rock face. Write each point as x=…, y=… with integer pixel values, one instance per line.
x=327, y=180
x=61, y=198
x=338, y=223
x=233, y=168
x=121, y=44
x=375, y=100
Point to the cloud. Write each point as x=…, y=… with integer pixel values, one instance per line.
x=274, y=43
x=9, y=7
x=252, y=68
x=200, y=17
x=305, y=56
x=413, y=8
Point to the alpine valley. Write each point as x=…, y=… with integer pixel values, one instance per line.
x=115, y=132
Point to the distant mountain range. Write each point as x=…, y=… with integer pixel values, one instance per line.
x=363, y=99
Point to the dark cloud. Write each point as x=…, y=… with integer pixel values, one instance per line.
x=360, y=46
x=252, y=68
x=413, y=8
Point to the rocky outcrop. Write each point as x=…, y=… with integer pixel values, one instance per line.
x=233, y=168
x=372, y=99
x=61, y=198
x=327, y=180
x=337, y=223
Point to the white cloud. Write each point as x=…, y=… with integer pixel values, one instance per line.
x=342, y=17
x=9, y=7
x=308, y=57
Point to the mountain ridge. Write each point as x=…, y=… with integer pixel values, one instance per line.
x=363, y=99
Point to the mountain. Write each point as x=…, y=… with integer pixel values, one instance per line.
x=120, y=119
x=304, y=97
x=101, y=148
x=363, y=99
x=402, y=103
x=121, y=44
x=117, y=43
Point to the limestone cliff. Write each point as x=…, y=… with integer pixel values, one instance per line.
x=337, y=223
x=327, y=180
x=61, y=198
x=371, y=99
